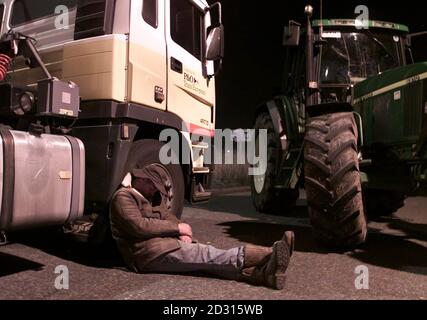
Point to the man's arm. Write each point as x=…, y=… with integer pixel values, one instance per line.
x=129, y=217
x=185, y=230
x=165, y=214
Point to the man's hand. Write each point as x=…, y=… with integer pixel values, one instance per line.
x=185, y=230
x=186, y=239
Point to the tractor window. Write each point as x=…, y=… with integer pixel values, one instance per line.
x=186, y=26
x=149, y=12
x=353, y=57
x=24, y=11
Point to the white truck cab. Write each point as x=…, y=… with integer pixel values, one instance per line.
x=141, y=66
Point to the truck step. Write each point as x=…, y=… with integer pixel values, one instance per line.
x=202, y=196
x=200, y=145
x=204, y=170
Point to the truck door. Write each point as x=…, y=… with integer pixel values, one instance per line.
x=147, y=54
x=190, y=94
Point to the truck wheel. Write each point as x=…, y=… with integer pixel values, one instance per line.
x=266, y=198
x=382, y=203
x=146, y=153
x=332, y=180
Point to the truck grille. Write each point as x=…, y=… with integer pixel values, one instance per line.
x=94, y=18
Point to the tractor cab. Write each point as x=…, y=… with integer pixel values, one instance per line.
x=348, y=56
x=343, y=54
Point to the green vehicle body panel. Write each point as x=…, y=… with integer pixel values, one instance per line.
x=388, y=78
x=352, y=23
x=392, y=106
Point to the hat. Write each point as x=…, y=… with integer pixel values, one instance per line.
x=151, y=173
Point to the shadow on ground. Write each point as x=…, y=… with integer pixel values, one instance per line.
x=388, y=251
x=54, y=243
x=242, y=206
x=10, y=265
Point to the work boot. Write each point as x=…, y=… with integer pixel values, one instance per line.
x=272, y=272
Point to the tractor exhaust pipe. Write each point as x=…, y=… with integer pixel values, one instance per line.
x=312, y=84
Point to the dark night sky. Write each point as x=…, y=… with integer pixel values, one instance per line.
x=253, y=65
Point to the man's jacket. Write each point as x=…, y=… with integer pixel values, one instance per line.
x=143, y=233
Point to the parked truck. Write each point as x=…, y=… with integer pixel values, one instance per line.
x=88, y=87
x=350, y=126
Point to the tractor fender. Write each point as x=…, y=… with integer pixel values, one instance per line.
x=284, y=115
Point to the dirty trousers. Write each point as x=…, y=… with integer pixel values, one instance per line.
x=200, y=258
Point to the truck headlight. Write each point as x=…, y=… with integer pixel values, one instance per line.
x=27, y=102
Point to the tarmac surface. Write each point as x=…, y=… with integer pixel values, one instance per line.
x=395, y=258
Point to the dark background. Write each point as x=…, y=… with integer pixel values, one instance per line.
x=252, y=69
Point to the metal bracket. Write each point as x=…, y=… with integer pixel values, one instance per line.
x=360, y=127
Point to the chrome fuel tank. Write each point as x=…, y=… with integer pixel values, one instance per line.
x=41, y=180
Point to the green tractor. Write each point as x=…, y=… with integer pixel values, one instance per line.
x=350, y=127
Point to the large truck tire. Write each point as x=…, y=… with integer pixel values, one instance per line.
x=266, y=198
x=332, y=181
x=146, y=153
x=383, y=203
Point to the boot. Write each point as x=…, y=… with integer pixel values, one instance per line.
x=272, y=272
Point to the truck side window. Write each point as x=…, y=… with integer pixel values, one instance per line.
x=24, y=11
x=149, y=12
x=186, y=24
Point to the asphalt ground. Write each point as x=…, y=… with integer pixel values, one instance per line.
x=395, y=259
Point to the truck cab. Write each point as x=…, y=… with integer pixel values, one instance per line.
x=142, y=67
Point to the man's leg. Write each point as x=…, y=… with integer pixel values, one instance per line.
x=195, y=258
x=253, y=264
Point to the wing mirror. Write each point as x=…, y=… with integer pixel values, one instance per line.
x=215, y=44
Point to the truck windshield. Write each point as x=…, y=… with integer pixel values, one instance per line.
x=348, y=58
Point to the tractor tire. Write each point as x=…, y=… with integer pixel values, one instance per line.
x=146, y=153
x=383, y=203
x=266, y=198
x=332, y=181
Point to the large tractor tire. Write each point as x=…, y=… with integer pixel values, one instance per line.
x=146, y=153
x=383, y=203
x=266, y=198
x=332, y=181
